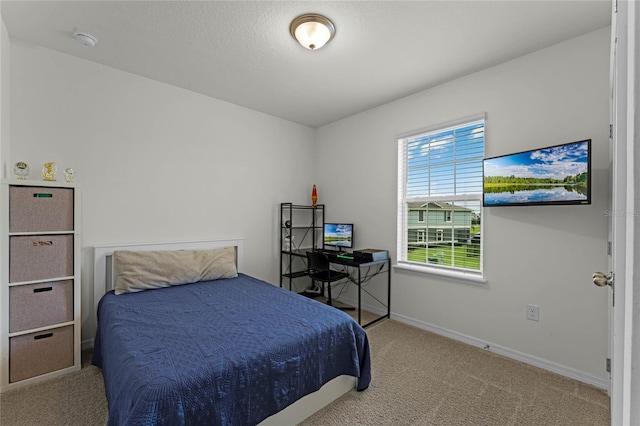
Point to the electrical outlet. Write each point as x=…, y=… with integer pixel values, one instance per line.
x=533, y=312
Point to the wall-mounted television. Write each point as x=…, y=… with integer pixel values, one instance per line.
x=338, y=235
x=559, y=174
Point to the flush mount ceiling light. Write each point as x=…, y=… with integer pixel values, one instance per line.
x=86, y=39
x=312, y=30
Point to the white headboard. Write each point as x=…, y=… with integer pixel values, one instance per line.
x=102, y=266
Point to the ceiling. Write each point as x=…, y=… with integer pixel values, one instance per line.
x=242, y=51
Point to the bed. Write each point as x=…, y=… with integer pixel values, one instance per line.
x=232, y=350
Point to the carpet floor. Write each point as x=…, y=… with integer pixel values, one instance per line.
x=419, y=378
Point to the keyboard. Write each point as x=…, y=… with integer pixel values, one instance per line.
x=328, y=252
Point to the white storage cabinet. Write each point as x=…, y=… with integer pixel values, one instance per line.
x=39, y=281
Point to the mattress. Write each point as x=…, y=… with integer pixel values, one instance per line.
x=224, y=352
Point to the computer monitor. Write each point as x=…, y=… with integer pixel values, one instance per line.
x=338, y=235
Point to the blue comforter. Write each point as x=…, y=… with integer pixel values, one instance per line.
x=224, y=352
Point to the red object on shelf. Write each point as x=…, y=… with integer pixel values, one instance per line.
x=314, y=196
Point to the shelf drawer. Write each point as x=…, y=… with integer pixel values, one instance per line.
x=40, y=209
x=39, y=353
x=40, y=305
x=38, y=257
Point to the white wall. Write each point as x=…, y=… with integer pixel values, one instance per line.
x=533, y=255
x=156, y=163
x=5, y=96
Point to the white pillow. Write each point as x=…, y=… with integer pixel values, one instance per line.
x=144, y=270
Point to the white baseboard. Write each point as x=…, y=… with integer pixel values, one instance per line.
x=373, y=309
x=87, y=344
x=507, y=352
x=500, y=350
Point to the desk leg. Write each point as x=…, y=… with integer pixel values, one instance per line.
x=359, y=297
x=389, y=288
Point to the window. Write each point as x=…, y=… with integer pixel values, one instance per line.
x=440, y=197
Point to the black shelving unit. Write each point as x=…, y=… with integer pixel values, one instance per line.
x=301, y=230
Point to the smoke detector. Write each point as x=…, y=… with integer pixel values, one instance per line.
x=86, y=39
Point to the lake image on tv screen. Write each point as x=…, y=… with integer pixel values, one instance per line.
x=555, y=174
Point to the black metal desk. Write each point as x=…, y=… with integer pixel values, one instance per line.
x=383, y=266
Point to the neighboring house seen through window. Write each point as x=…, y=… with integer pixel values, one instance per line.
x=440, y=196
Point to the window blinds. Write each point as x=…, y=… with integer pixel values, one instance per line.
x=440, y=179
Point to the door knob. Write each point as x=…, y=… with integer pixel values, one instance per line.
x=601, y=280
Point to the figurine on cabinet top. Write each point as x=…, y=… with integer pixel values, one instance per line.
x=69, y=173
x=21, y=170
x=49, y=171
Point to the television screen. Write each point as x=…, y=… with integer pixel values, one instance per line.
x=338, y=235
x=559, y=174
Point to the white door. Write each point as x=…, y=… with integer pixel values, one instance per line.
x=623, y=210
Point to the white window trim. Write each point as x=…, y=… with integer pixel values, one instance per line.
x=476, y=277
x=472, y=277
x=444, y=126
